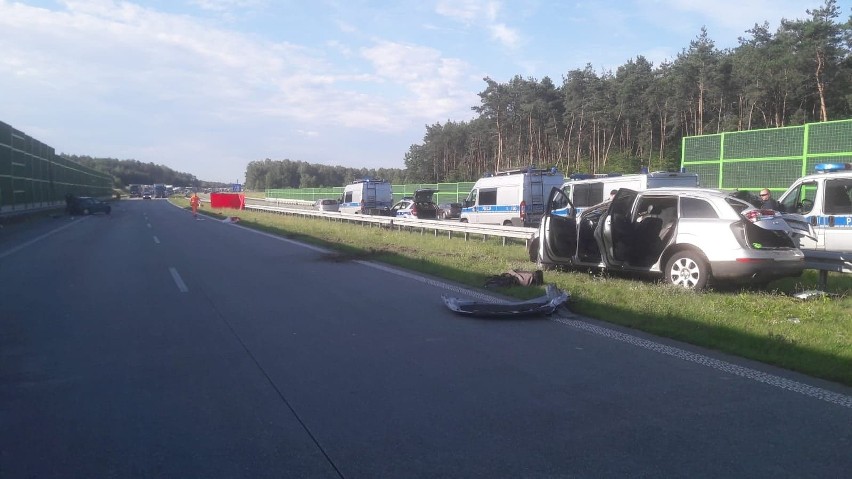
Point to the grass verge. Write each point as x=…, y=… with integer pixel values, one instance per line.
x=813, y=337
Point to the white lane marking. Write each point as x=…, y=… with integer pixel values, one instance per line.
x=724, y=366
x=35, y=240
x=156, y=240
x=178, y=280
x=719, y=365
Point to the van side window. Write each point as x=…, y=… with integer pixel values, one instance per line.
x=837, y=200
x=471, y=198
x=801, y=199
x=695, y=208
x=588, y=194
x=487, y=197
x=347, y=197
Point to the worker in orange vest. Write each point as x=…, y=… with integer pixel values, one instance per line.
x=195, y=202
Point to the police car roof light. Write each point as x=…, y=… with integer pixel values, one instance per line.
x=832, y=167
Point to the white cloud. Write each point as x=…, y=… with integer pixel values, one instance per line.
x=483, y=14
x=94, y=47
x=225, y=5
x=433, y=80
x=136, y=80
x=505, y=35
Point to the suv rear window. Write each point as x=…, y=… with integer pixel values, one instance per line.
x=696, y=208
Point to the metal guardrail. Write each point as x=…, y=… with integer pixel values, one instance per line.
x=825, y=261
x=437, y=226
x=822, y=261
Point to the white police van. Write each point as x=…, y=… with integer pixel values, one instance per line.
x=367, y=197
x=825, y=199
x=586, y=190
x=510, y=198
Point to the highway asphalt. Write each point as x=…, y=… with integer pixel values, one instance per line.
x=147, y=343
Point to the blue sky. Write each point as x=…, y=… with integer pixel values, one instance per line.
x=207, y=86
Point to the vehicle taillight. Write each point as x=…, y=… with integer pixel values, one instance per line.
x=523, y=210
x=413, y=211
x=756, y=215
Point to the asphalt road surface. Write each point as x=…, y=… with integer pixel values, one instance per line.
x=150, y=344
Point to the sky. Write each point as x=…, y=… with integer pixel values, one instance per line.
x=207, y=86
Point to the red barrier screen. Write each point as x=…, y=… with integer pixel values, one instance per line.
x=236, y=201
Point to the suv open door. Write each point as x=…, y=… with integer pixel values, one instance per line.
x=616, y=234
x=558, y=232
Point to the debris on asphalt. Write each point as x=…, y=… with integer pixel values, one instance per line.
x=543, y=305
x=814, y=294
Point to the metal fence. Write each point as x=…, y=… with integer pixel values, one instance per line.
x=770, y=158
x=32, y=176
x=447, y=192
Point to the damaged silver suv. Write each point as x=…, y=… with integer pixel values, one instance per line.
x=687, y=236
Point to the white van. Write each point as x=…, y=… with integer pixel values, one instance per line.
x=510, y=198
x=367, y=197
x=590, y=190
x=825, y=199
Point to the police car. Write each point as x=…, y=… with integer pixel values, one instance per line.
x=420, y=206
x=825, y=199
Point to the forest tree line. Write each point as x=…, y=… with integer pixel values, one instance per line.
x=628, y=119
x=130, y=172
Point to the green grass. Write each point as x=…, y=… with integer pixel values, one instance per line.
x=813, y=337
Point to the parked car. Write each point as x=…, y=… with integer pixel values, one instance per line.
x=327, y=204
x=687, y=236
x=449, y=210
x=86, y=205
x=419, y=206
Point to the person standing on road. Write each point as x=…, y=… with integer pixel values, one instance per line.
x=195, y=202
x=767, y=202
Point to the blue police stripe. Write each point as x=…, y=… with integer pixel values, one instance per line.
x=839, y=221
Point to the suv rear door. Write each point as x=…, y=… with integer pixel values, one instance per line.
x=615, y=234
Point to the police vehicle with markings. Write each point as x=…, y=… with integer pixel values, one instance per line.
x=510, y=198
x=825, y=199
x=368, y=196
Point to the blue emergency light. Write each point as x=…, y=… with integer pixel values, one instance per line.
x=832, y=167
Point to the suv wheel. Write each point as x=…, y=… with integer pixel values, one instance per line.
x=687, y=269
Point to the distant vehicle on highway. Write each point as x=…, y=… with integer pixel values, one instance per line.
x=86, y=205
x=327, y=204
x=449, y=210
x=367, y=197
x=418, y=206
